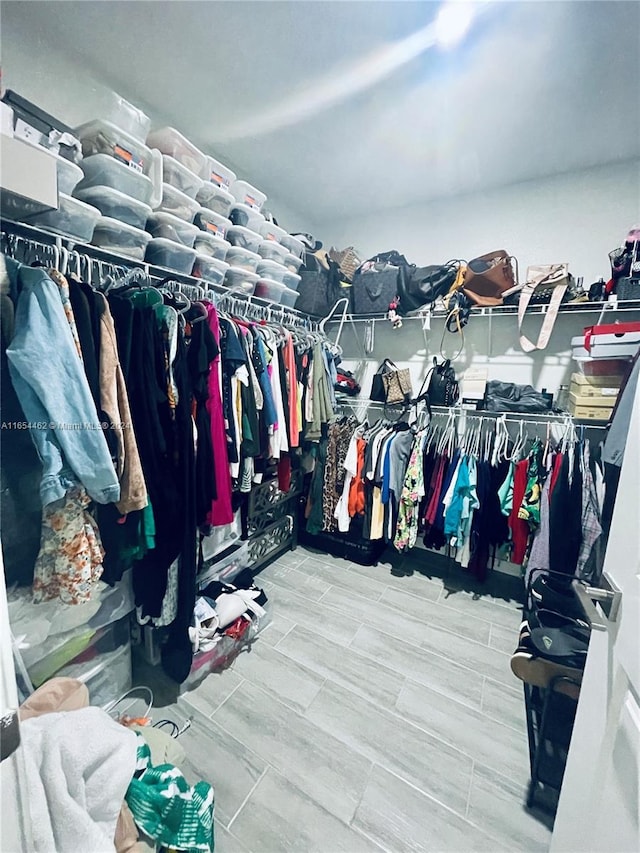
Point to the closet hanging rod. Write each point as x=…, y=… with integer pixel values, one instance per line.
x=64, y=252
x=554, y=418
x=502, y=311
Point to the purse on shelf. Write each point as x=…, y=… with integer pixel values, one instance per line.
x=488, y=278
x=546, y=284
x=391, y=384
x=319, y=286
x=376, y=282
x=420, y=286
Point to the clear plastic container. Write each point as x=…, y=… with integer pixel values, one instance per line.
x=293, y=263
x=160, y=224
x=170, y=255
x=248, y=217
x=116, y=205
x=215, y=198
x=217, y=173
x=295, y=246
x=289, y=297
x=180, y=177
x=272, y=270
x=245, y=238
x=272, y=251
x=243, y=258
x=246, y=194
x=73, y=219
x=110, y=678
x=129, y=118
x=170, y=141
x=271, y=231
x=211, y=246
x=270, y=290
x=178, y=203
x=104, y=137
x=101, y=170
x=291, y=280
x=119, y=238
x=240, y=280
x=69, y=175
x=210, y=269
x=212, y=223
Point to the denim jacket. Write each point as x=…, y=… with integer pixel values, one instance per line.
x=51, y=385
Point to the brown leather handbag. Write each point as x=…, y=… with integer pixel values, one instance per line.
x=489, y=277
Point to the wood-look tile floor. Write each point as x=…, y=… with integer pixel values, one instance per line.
x=377, y=711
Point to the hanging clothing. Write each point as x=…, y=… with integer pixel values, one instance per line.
x=221, y=511
x=519, y=526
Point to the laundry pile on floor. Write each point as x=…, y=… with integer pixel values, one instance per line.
x=95, y=784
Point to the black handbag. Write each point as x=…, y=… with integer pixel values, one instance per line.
x=509, y=397
x=319, y=288
x=375, y=283
x=391, y=384
x=419, y=286
x=442, y=385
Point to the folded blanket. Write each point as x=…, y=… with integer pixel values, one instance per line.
x=79, y=765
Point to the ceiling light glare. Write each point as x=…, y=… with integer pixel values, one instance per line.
x=452, y=23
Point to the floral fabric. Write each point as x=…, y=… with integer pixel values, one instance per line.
x=70, y=560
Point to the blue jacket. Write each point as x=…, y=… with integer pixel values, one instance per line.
x=51, y=385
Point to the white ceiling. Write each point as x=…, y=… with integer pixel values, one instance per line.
x=346, y=108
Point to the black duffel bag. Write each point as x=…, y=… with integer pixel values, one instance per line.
x=376, y=283
x=319, y=287
x=420, y=286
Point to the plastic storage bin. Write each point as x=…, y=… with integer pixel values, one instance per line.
x=121, y=239
x=270, y=290
x=69, y=175
x=224, y=567
x=215, y=198
x=217, y=173
x=170, y=255
x=170, y=227
x=209, y=269
x=172, y=142
x=293, y=262
x=295, y=246
x=73, y=219
x=272, y=251
x=245, y=238
x=77, y=649
x=246, y=194
x=273, y=271
x=180, y=177
x=178, y=203
x=291, y=280
x=107, y=676
x=129, y=118
x=240, y=280
x=116, y=205
x=271, y=231
x=289, y=297
x=101, y=170
x=238, y=257
x=212, y=223
x=104, y=137
x=210, y=245
x=248, y=217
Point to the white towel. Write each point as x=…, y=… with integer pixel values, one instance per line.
x=79, y=765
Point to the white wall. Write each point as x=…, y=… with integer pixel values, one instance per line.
x=577, y=217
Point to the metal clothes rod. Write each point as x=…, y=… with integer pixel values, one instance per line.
x=502, y=311
x=26, y=243
x=554, y=418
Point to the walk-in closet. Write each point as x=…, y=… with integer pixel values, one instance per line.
x=320, y=426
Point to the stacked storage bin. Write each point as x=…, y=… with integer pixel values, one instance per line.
x=116, y=181
x=96, y=649
x=201, y=248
